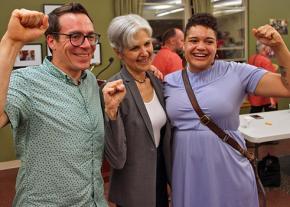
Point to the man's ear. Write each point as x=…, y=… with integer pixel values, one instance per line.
x=172, y=41
x=50, y=41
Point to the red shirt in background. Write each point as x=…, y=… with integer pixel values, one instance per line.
x=263, y=62
x=167, y=61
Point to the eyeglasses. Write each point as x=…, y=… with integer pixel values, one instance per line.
x=78, y=38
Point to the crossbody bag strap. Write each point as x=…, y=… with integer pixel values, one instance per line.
x=207, y=121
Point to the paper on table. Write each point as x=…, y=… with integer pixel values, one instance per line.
x=246, y=121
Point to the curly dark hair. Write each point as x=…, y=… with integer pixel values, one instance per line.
x=202, y=19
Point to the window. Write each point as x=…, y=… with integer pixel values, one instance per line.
x=162, y=15
x=232, y=38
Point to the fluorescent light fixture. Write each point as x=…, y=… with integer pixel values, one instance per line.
x=225, y=12
x=169, y=12
x=228, y=3
x=160, y=7
x=175, y=2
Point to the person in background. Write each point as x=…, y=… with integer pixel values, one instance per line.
x=138, y=134
x=54, y=109
x=261, y=59
x=206, y=170
x=167, y=59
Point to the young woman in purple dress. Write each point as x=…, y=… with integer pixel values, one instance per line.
x=206, y=171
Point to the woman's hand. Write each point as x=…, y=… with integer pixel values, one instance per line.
x=156, y=72
x=113, y=92
x=268, y=35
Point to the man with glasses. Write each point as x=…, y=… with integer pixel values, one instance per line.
x=54, y=109
x=78, y=38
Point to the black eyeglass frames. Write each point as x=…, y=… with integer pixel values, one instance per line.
x=78, y=38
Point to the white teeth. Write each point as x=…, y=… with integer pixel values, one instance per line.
x=199, y=55
x=143, y=61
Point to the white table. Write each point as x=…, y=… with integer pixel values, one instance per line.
x=274, y=126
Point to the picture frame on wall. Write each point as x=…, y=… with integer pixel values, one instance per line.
x=29, y=55
x=47, y=8
x=281, y=25
x=97, y=60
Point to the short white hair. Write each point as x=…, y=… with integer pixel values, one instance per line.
x=122, y=29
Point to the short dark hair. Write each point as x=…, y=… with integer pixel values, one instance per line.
x=53, y=17
x=168, y=34
x=202, y=19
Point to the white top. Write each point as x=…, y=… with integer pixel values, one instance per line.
x=157, y=116
x=271, y=126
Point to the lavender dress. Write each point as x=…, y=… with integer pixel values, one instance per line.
x=206, y=171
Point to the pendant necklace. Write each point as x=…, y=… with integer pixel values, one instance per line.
x=141, y=80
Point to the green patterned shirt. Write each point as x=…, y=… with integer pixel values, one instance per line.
x=59, y=137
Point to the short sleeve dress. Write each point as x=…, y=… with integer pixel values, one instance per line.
x=206, y=171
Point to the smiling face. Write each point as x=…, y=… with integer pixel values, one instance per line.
x=200, y=47
x=70, y=59
x=138, y=57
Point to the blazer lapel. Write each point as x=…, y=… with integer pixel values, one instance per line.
x=158, y=87
x=131, y=85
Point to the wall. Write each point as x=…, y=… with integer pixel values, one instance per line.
x=101, y=11
x=278, y=9
x=7, y=151
x=259, y=13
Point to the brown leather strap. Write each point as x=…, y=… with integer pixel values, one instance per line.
x=206, y=120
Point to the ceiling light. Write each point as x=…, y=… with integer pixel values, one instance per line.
x=175, y=2
x=169, y=12
x=228, y=3
x=226, y=12
x=159, y=7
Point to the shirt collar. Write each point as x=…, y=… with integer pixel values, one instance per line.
x=52, y=69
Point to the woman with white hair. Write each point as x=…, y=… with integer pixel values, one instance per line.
x=137, y=131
